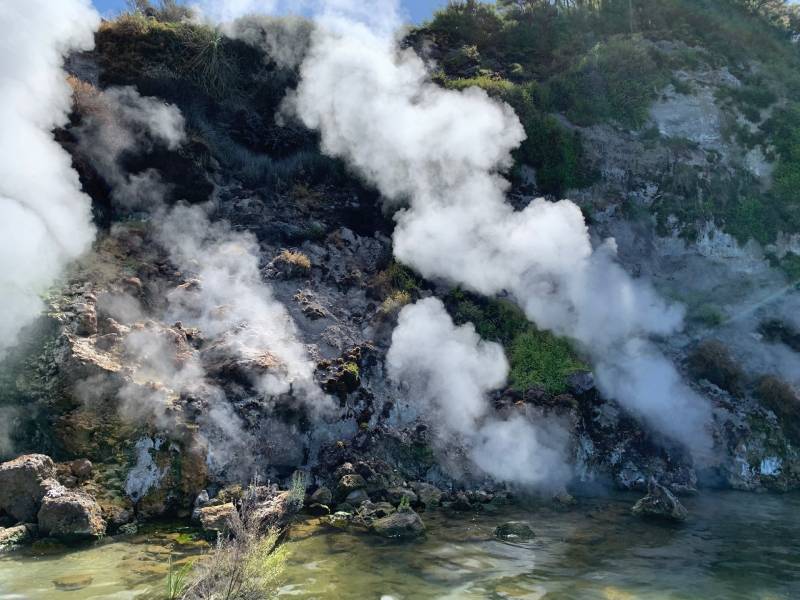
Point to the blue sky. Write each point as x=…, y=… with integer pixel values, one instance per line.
x=418, y=9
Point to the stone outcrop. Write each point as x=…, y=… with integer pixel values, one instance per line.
x=216, y=519
x=23, y=483
x=70, y=514
x=660, y=503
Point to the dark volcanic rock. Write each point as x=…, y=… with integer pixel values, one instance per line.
x=660, y=503
x=514, y=531
x=404, y=524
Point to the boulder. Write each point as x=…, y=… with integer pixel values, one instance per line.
x=322, y=496
x=10, y=536
x=216, y=518
x=349, y=483
x=70, y=514
x=660, y=503
x=81, y=469
x=514, y=531
x=404, y=525
x=427, y=494
x=23, y=483
x=318, y=510
x=396, y=495
x=356, y=497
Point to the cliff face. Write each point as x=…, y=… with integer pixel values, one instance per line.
x=238, y=327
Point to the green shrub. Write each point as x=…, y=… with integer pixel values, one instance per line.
x=535, y=357
x=540, y=358
x=617, y=79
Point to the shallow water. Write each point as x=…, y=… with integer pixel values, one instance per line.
x=735, y=546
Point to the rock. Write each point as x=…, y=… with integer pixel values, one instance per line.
x=276, y=511
x=356, y=497
x=427, y=494
x=350, y=483
x=81, y=469
x=73, y=583
x=660, y=503
x=87, y=319
x=514, y=531
x=580, y=382
x=216, y=518
x=11, y=536
x=400, y=525
x=340, y=520
x=71, y=514
x=23, y=483
x=396, y=495
x=370, y=511
x=461, y=503
x=318, y=510
x=322, y=496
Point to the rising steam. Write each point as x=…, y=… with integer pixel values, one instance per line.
x=438, y=154
x=45, y=219
x=450, y=371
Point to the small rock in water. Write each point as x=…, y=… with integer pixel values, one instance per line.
x=404, y=524
x=318, y=510
x=514, y=531
x=72, y=583
x=660, y=503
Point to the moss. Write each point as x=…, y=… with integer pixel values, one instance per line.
x=536, y=358
x=352, y=369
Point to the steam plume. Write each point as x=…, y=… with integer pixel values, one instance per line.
x=450, y=371
x=45, y=219
x=439, y=153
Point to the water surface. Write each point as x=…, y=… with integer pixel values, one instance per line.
x=736, y=546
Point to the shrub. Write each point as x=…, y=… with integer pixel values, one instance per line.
x=244, y=566
x=711, y=360
x=535, y=357
x=779, y=397
x=617, y=80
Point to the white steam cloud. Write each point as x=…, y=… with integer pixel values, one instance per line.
x=450, y=371
x=45, y=219
x=246, y=332
x=440, y=153
x=119, y=120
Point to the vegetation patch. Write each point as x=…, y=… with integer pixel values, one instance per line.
x=536, y=358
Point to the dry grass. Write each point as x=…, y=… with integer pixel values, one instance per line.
x=295, y=259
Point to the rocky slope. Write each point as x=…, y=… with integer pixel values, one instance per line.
x=170, y=409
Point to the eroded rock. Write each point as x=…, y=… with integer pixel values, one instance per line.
x=660, y=503
x=23, y=483
x=70, y=514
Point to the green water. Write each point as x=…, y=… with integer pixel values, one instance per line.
x=736, y=546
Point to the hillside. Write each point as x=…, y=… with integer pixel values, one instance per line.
x=241, y=313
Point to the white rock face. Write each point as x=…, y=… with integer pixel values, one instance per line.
x=146, y=474
x=695, y=117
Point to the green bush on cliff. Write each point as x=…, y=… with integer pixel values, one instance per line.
x=536, y=358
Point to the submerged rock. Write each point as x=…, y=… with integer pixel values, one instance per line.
x=71, y=514
x=660, y=503
x=514, y=531
x=405, y=524
x=23, y=483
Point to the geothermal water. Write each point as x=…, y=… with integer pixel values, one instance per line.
x=735, y=547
